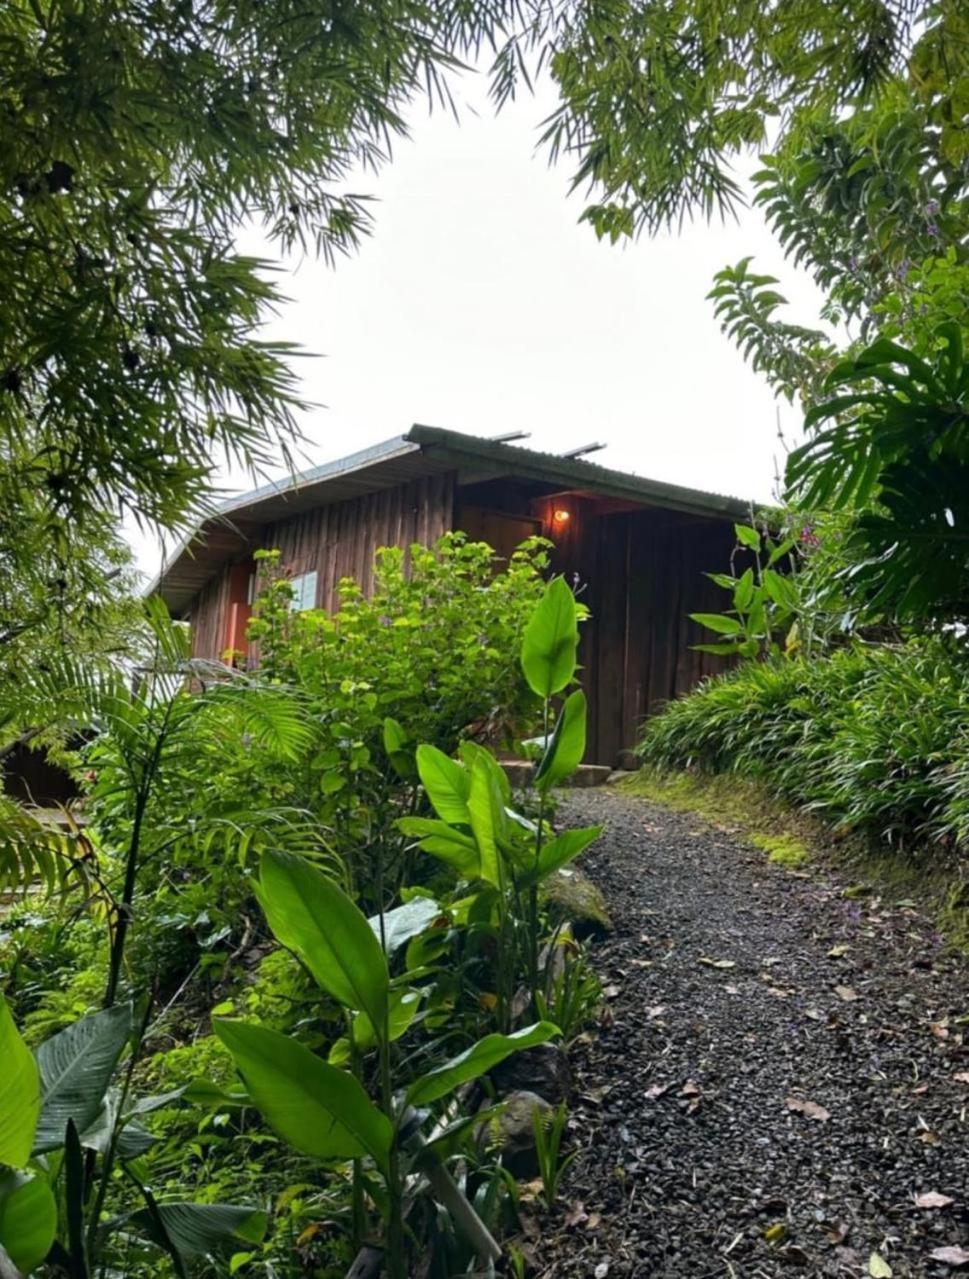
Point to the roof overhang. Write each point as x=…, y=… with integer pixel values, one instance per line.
x=239, y=524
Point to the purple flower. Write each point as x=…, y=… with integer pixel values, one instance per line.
x=931, y=208
x=932, y=229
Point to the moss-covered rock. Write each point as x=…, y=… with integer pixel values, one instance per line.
x=573, y=898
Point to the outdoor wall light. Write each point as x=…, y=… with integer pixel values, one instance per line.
x=561, y=516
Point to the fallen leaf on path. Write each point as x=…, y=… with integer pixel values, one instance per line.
x=657, y=1010
x=838, y=1231
x=878, y=1267
x=717, y=963
x=814, y=1013
x=932, y=1199
x=939, y=1029
x=951, y=1256
x=690, y=1089
x=732, y=990
x=610, y=992
x=919, y=1089
x=658, y=1090
x=776, y=1232
x=838, y=952
x=576, y=1215
x=847, y=993
x=961, y=1076
x=601, y=1270
x=929, y=1138
x=810, y=1109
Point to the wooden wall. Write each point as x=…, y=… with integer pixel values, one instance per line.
x=641, y=572
x=335, y=541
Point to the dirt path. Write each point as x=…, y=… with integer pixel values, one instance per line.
x=777, y=1078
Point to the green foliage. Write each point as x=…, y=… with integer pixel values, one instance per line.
x=870, y=738
x=765, y=599
x=657, y=102
x=69, y=1119
x=19, y=1094
x=430, y=656
x=549, y=1130
x=895, y=428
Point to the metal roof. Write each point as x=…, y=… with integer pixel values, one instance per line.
x=237, y=524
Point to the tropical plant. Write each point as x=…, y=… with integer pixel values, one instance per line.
x=480, y=835
x=764, y=599
x=891, y=439
x=322, y=1109
x=870, y=737
x=68, y=1121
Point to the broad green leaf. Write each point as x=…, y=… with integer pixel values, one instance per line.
x=485, y=811
x=565, y=750
x=447, y=784
x=404, y=1005
x=404, y=922
x=477, y=1060
x=199, y=1230
x=76, y=1066
x=744, y=590
x=317, y=1108
x=19, y=1094
x=440, y=840
x=550, y=641
x=314, y=917
x=561, y=850
x=397, y=746
x=471, y=752
x=28, y=1219
x=747, y=536
x=718, y=622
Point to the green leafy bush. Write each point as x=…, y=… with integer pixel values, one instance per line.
x=874, y=738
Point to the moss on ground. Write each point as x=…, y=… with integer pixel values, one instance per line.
x=795, y=840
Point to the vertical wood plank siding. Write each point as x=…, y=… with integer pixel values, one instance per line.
x=335, y=541
x=641, y=572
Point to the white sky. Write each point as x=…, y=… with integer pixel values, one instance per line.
x=480, y=304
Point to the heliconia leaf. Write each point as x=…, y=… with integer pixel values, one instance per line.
x=561, y=850
x=76, y=1066
x=199, y=1230
x=404, y=922
x=317, y=1108
x=476, y=1061
x=314, y=917
x=440, y=840
x=19, y=1094
x=567, y=746
x=548, y=655
x=447, y=784
x=28, y=1219
x=486, y=813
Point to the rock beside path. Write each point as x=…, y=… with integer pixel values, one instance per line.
x=781, y=1082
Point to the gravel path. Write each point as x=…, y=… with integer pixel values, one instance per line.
x=781, y=1070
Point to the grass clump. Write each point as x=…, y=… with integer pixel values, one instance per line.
x=873, y=739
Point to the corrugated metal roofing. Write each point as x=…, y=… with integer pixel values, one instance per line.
x=424, y=450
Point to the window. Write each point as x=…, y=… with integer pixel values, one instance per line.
x=304, y=586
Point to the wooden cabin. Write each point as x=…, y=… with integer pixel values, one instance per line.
x=638, y=548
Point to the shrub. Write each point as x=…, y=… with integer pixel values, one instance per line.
x=874, y=738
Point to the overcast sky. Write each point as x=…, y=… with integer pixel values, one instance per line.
x=480, y=304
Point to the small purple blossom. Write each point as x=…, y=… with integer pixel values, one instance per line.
x=932, y=229
x=931, y=208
